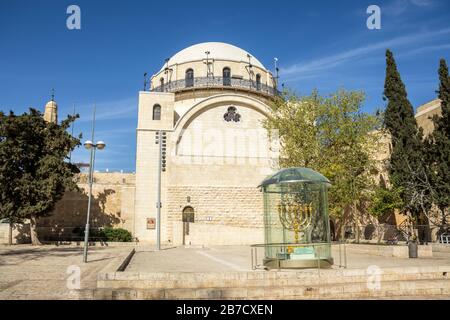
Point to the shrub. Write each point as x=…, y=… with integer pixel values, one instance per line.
x=93, y=233
x=105, y=234
x=117, y=235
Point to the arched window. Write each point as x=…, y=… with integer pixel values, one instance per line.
x=161, y=84
x=226, y=76
x=189, y=78
x=156, y=112
x=258, y=82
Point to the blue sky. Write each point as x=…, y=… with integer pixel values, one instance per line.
x=319, y=44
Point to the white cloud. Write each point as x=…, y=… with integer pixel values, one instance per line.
x=422, y=3
x=108, y=110
x=426, y=49
x=397, y=7
x=312, y=68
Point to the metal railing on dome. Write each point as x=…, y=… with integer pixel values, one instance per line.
x=208, y=82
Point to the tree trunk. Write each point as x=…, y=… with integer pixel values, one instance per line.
x=10, y=236
x=33, y=232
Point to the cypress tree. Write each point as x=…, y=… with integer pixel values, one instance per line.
x=405, y=162
x=439, y=144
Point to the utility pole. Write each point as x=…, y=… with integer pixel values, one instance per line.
x=161, y=141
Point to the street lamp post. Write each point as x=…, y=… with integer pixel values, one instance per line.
x=89, y=145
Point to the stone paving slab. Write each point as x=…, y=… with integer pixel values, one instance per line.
x=238, y=258
x=28, y=272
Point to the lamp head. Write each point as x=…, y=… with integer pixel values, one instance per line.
x=88, y=144
x=100, y=145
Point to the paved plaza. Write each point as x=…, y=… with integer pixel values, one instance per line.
x=238, y=258
x=28, y=272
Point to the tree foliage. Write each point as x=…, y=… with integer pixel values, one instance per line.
x=34, y=173
x=406, y=163
x=385, y=201
x=330, y=135
x=439, y=144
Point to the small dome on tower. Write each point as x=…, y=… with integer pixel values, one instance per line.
x=51, y=111
x=51, y=104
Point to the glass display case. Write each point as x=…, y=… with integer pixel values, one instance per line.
x=296, y=222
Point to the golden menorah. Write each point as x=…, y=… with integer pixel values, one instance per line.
x=295, y=216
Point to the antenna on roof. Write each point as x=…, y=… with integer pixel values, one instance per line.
x=145, y=81
x=167, y=64
x=275, y=61
x=53, y=94
x=208, y=72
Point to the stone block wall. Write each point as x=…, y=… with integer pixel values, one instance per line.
x=112, y=206
x=223, y=215
x=20, y=233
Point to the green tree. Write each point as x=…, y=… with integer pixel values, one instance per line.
x=439, y=145
x=406, y=168
x=294, y=120
x=330, y=135
x=34, y=173
x=385, y=201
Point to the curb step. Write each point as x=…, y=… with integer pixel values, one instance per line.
x=324, y=291
x=257, y=279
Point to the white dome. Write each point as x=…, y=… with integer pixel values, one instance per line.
x=218, y=51
x=51, y=104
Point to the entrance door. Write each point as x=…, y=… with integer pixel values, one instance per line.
x=188, y=217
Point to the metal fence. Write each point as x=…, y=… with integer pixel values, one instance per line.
x=69, y=233
x=392, y=234
x=206, y=82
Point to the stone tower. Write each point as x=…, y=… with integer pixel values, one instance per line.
x=51, y=111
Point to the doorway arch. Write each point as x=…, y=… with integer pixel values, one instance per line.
x=187, y=216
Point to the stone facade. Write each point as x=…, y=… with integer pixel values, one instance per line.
x=233, y=214
x=424, y=114
x=217, y=149
x=112, y=206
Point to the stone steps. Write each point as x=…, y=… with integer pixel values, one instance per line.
x=323, y=291
x=299, y=284
x=185, y=280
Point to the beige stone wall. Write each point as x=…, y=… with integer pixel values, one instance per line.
x=112, y=205
x=425, y=113
x=147, y=156
x=20, y=233
x=223, y=215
